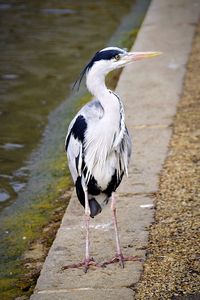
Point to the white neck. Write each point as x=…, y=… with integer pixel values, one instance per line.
x=113, y=108
x=95, y=82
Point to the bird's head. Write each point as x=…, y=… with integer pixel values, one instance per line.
x=111, y=58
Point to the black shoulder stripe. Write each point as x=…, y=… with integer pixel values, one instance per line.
x=77, y=130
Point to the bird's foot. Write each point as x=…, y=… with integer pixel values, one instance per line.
x=89, y=262
x=121, y=259
x=85, y=264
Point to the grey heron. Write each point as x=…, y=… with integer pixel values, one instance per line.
x=98, y=144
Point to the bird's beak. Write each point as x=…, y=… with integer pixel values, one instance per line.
x=134, y=56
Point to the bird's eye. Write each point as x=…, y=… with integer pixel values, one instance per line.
x=117, y=57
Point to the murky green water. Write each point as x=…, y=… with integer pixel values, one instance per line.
x=43, y=46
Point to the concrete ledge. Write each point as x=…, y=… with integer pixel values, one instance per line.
x=151, y=90
x=87, y=293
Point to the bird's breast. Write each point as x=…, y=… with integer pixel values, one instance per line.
x=100, y=155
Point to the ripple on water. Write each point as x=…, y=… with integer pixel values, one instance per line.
x=22, y=172
x=6, y=176
x=58, y=11
x=11, y=146
x=17, y=186
x=5, y=6
x=4, y=195
x=9, y=76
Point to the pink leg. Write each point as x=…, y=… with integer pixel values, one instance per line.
x=118, y=256
x=88, y=260
x=87, y=239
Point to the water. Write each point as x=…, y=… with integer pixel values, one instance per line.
x=43, y=47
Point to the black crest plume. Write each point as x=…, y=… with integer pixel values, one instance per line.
x=83, y=72
x=100, y=55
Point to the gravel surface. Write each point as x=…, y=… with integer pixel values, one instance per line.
x=172, y=269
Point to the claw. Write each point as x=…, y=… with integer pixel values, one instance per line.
x=89, y=262
x=85, y=264
x=121, y=259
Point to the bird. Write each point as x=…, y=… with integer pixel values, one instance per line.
x=98, y=144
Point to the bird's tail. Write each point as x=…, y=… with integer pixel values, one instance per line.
x=95, y=207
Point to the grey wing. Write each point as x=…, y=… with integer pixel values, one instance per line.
x=74, y=155
x=125, y=151
x=93, y=110
x=128, y=142
x=75, y=139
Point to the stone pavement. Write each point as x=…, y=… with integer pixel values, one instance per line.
x=150, y=90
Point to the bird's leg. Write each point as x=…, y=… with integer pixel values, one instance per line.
x=118, y=256
x=87, y=223
x=88, y=261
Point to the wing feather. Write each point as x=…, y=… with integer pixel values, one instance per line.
x=75, y=139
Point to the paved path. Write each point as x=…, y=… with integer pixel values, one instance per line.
x=150, y=90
